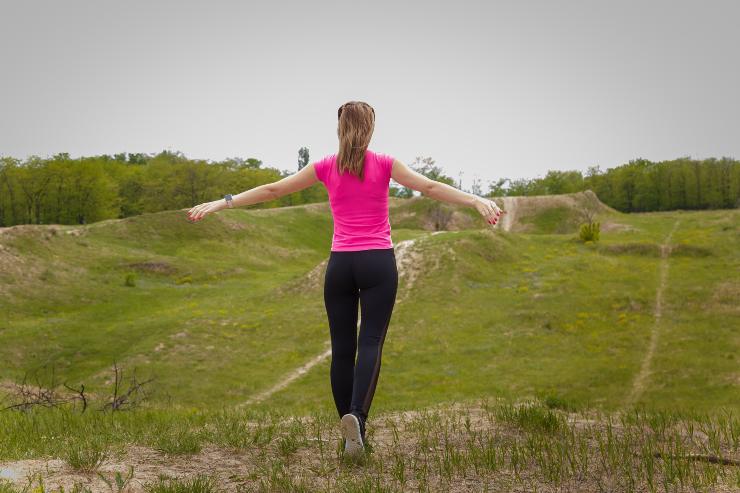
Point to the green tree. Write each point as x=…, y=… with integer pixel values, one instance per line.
x=497, y=189
x=303, y=157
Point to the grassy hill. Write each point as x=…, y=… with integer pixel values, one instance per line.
x=211, y=315
x=226, y=309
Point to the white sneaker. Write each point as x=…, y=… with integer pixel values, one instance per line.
x=351, y=432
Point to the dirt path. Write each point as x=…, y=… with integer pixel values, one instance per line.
x=638, y=385
x=406, y=259
x=289, y=378
x=508, y=219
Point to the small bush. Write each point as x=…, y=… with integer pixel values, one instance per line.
x=589, y=232
x=130, y=279
x=440, y=216
x=85, y=456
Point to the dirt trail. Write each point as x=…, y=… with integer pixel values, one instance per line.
x=288, y=379
x=510, y=204
x=638, y=385
x=406, y=260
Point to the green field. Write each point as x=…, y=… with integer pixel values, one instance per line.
x=223, y=310
x=510, y=315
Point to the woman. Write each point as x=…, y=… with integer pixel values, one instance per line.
x=362, y=264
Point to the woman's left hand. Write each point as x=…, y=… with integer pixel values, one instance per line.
x=199, y=211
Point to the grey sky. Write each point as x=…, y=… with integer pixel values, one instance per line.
x=489, y=89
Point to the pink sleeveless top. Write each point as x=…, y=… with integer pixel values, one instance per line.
x=359, y=208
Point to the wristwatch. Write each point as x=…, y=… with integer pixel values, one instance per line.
x=229, y=200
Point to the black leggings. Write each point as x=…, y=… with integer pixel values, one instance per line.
x=370, y=278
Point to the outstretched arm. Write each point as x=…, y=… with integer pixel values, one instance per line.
x=443, y=192
x=290, y=184
x=269, y=191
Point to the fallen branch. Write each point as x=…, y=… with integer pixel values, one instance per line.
x=80, y=395
x=714, y=459
x=128, y=398
x=28, y=396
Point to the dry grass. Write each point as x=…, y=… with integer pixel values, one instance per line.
x=481, y=446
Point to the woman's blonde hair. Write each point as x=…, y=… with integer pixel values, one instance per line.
x=355, y=128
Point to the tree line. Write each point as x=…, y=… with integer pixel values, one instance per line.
x=642, y=185
x=63, y=190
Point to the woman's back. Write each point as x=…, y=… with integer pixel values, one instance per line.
x=359, y=207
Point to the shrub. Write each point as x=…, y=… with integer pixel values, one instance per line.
x=130, y=279
x=589, y=231
x=85, y=456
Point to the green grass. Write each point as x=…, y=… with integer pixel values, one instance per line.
x=492, y=314
x=554, y=220
x=510, y=315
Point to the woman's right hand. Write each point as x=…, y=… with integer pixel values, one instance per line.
x=488, y=209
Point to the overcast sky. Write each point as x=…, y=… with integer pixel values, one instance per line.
x=487, y=89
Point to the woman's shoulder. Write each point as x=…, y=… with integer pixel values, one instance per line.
x=326, y=159
x=378, y=153
x=384, y=158
x=323, y=165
